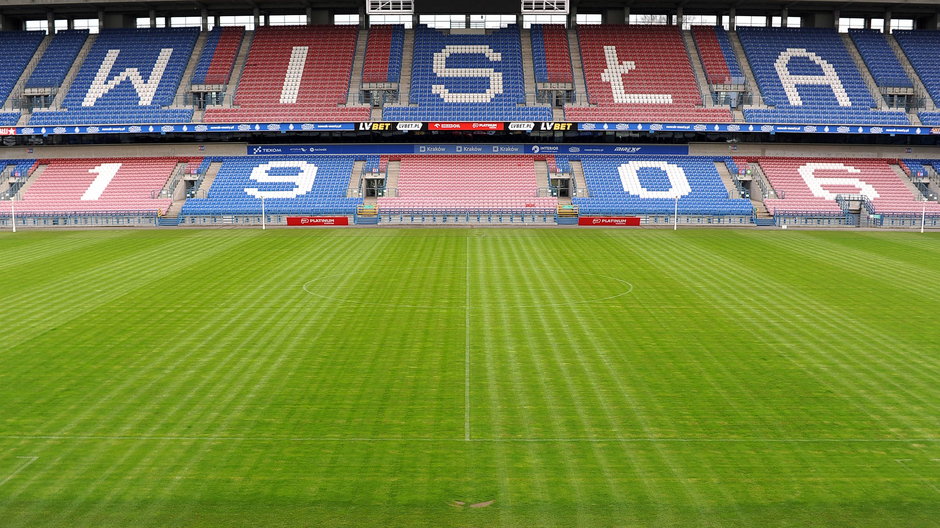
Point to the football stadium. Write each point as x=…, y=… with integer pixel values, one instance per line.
x=396, y=263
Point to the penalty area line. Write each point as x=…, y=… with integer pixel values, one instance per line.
x=29, y=460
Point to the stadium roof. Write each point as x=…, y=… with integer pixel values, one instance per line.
x=40, y=7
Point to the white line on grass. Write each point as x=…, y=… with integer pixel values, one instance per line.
x=466, y=389
x=918, y=476
x=29, y=460
x=481, y=440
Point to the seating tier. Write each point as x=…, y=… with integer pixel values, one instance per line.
x=57, y=60
x=461, y=77
x=289, y=185
x=129, y=76
x=643, y=185
x=550, y=54
x=812, y=184
x=640, y=73
x=808, y=76
x=462, y=183
x=98, y=185
x=295, y=74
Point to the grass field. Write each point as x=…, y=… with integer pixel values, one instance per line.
x=374, y=377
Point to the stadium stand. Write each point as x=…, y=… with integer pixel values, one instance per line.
x=97, y=185
x=808, y=76
x=18, y=48
x=812, y=184
x=289, y=185
x=718, y=58
x=218, y=56
x=550, y=54
x=640, y=185
x=468, y=183
x=57, y=59
x=460, y=77
x=640, y=73
x=295, y=74
x=880, y=59
x=384, y=53
x=129, y=76
x=920, y=48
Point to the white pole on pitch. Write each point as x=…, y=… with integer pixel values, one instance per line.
x=13, y=211
x=923, y=216
x=263, y=222
x=675, y=215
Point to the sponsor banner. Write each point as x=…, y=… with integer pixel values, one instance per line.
x=616, y=221
x=531, y=127
x=467, y=125
x=472, y=149
x=317, y=220
x=469, y=149
x=758, y=128
x=306, y=150
x=524, y=127
x=676, y=150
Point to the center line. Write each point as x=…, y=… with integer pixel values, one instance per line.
x=466, y=389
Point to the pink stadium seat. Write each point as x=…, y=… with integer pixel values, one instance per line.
x=69, y=186
x=791, y=178
x=468, y=183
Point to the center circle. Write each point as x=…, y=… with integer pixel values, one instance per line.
x=448, y=288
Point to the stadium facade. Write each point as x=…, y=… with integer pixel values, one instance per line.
x=325, y=113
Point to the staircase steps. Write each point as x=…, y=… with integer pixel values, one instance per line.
x=757, y=101
x=691, y=49
x=187, y=81
x=580, y=183
x=907, y=181
x=211, y=173
x=73, y=72
x=577, y=68
x=391, y=176
x=32, y=177
x=726, y=178
x=866, y=73
x=237, y=69
x=407, y=60
x=27, y=72
x=355, y=180
x=921, y=90
x=528, y=67
x=355, y=79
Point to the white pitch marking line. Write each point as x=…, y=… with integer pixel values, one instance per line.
x=29, y=460
x=903, y=462
x=466, y=389
x=481, y=440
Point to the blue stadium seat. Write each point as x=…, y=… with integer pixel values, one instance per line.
x=235, y=192
x=18, y=47
x=880, y=59
x=816, y=50
x=57, y=60
x=921, y=49
x=652, y=191
x=120, y=96
x=471, y=96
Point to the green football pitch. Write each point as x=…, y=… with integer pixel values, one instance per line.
x=469, y=378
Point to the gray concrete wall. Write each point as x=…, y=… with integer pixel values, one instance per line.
x=820, y=151
x=119, y=151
